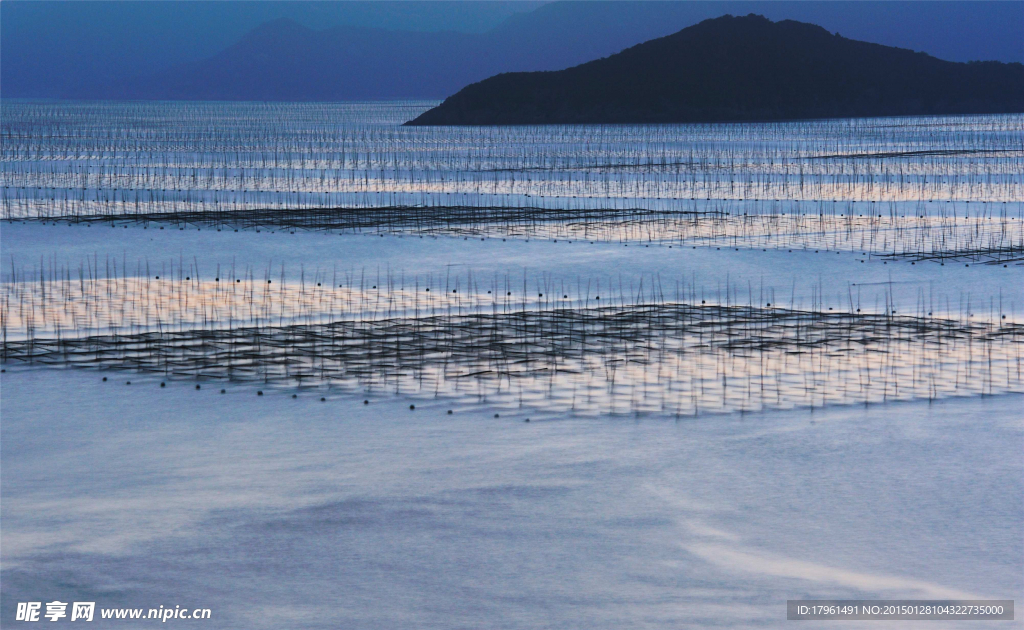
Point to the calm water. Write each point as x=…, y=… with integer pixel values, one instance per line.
x=281, y=512
x=275, y=511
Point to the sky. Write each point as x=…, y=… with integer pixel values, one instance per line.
x=44, y=40
x=46, y=46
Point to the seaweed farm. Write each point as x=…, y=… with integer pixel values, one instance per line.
x=667, y=358
x=943, y=188
x=505, y=343
x=306, y=367
x=927, y=191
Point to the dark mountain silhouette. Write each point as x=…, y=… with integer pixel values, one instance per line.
x=283, y=60
x=736, y=69
x=209, y=50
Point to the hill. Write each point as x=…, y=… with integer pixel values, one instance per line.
x=739, y=69
x=283, y=60
x=376, y=50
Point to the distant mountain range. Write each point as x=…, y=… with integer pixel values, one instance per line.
x=284, y=61
x=739, y=69
x=194, y=50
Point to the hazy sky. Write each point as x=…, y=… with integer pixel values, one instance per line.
x=45, y=45
x=43, y=39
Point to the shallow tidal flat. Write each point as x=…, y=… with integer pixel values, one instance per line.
x=275, y=511
x=759, y=362
x=929, y=188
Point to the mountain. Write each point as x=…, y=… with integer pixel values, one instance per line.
x=61, y=48
x=739, y=69
x=285, y=61
x=374, y=50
